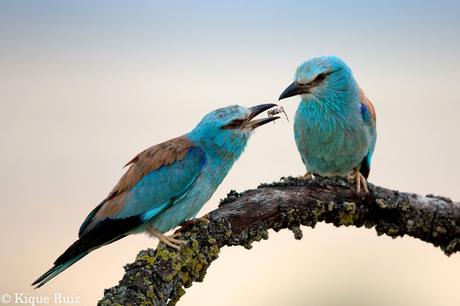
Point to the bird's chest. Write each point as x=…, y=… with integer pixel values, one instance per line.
x=190, y=204
x=328, y=145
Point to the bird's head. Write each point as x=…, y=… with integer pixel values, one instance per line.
x=225, y=131
x=321, y=79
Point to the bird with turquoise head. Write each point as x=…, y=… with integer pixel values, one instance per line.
x=166, y=184
x=335, y=123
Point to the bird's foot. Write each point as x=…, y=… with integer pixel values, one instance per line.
x=307, y=176
x=360, y=180
x=170, y=241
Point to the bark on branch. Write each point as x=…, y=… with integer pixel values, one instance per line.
x=159, y=277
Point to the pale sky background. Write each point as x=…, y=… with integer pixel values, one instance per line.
x=86, y=85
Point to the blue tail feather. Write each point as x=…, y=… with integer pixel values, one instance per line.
x=56, y=270
x=105, y=232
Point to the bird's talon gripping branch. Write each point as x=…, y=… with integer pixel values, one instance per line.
x=308, y=176
x=168, y=240
x=176, y=235
x=360, y=181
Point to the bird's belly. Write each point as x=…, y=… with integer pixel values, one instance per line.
x=331, y=152
x=190, y=204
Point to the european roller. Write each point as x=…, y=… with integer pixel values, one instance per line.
x=335, y=123
x=166, y=184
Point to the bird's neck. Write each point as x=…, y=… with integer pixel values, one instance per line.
x=218, y=164
x=220, y=151
x=337, y=104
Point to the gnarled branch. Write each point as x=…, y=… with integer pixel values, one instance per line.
x=159, y=277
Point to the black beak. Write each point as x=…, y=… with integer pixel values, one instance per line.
x=255, y=110
x=293, y=90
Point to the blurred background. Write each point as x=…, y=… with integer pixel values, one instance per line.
x=86, y=85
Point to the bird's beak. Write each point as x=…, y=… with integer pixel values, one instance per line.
x=254, y=111
x=293, y=90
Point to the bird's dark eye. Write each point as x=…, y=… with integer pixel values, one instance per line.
x=320, y=77
x=233, y=124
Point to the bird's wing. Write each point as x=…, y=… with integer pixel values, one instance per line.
x=159, y=175
x=367, y=108
x=370, y=119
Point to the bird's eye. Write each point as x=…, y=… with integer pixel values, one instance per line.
x=233, y=124
x=320, y=77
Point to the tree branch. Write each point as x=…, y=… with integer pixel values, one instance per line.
x=158, y=277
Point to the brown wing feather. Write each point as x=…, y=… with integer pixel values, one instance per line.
x=365, y=100
x=145, y=162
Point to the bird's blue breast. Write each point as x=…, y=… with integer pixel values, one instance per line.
x=187, y=207
x=330, y=142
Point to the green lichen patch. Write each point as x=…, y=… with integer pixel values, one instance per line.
x=347, y=214
x=148, y=259
x=381, y=203
x=393, y=231
x=296, y=231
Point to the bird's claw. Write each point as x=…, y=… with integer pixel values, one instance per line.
x=360, y=181
x=176, y=235
x=170, y=241
x=173, y=242
x=307, y=176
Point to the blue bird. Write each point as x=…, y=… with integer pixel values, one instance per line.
x=167, y=184
x=335, y=124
